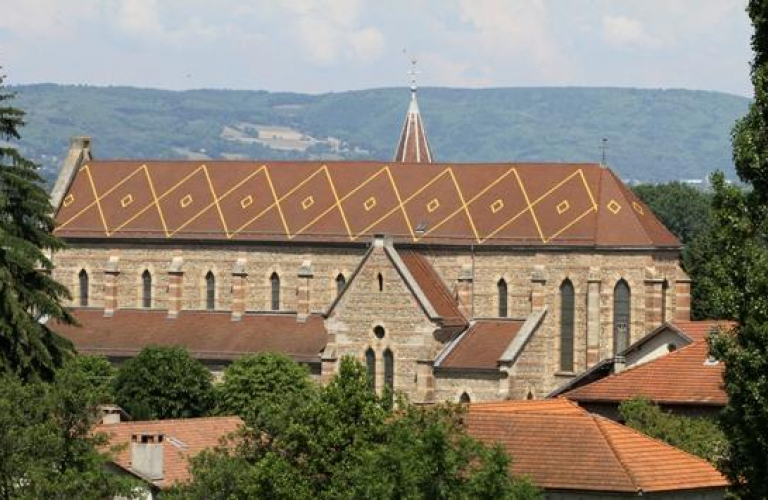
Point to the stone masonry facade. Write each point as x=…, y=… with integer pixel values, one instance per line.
x=308, y=273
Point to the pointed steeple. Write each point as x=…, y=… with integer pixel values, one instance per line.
x=413, y=146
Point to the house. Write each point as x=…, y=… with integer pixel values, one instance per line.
x=573, y=454
x=685, y=380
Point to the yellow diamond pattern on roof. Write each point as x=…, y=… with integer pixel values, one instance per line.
x=317, y=197
x=638, y=208
x=614, y=207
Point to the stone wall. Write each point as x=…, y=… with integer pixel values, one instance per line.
x=408, y=332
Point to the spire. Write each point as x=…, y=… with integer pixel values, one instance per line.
x=413, y=146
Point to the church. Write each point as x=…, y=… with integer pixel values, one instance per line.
x=459, y=282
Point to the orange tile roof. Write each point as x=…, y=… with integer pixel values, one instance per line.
x=681, y=377
x=183, y=439
x=207, y=335
x=528, y=204
x=433, y=287
x=562, y=447
x=482, y=345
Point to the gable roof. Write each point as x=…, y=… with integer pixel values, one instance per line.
x=487, y=343
x=184, y=438
x=512, y=204
x=421, y=279
x=207, y=335
x=682, y=377
x=562, y=447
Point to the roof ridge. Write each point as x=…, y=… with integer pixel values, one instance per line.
x=612, y=446
x=164, y=420
x=632, y=430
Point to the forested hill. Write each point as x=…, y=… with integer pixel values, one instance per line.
x=653, y=135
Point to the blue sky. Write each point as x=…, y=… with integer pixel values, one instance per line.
x=336, y=45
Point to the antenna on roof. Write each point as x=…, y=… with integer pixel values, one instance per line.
x=603, y=148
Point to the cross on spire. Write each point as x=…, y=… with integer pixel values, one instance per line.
x=413, y=146
x=412, y=73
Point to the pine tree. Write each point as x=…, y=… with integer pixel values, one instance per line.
x=738, y=272
x=28, y=293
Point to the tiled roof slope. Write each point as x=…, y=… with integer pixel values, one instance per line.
x=682, y=377
x=562, y=447
x=433, y=287
x=482, y=345
x=479, y=204
x=207, y=335
x=183, y=439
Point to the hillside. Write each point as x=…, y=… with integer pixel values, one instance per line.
x=653, y=135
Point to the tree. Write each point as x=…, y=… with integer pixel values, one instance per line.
x=164, y=382
x=343, y=442
x=262, y=388
x=683, y=209
x=699, y=436
x=47, y=447
x=98, y=371
x=739, y=268
x=28, y=347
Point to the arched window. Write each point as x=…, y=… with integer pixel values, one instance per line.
x=621, y=316
x=389, y=374
x=381, y=282
x=146, y=289
x=275, y=283
x=567, y=317
x=502, y=292
x=464, y=399
x=370, y=364
x=664, y=294
x=210, y=291
x=341, y=281
x=83, y=279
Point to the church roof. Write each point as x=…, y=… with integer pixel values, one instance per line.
x=482, y=345
x=413, y=146
x=517, y=204
x=562, y=447
x=684, y=377
x=207, y=335
x=434, y=288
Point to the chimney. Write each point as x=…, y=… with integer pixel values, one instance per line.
x=147, y=455
x=110, y=414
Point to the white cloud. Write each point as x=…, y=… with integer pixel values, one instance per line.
x=627, y=32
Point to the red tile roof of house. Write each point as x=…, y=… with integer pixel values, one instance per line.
x=183, y=439
x=682, y=377
x=482, y=345
x=433, y=287
x=207, y=335
x=562, y=447
x=521, y=204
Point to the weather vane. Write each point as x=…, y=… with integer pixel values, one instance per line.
x=413, y=72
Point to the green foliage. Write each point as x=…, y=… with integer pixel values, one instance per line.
x=683, y=209
x=654, y=135
x=739, y=280
x=698, y=436
x=342, y=442
x=98, y=371
x=260, y=388
x=164, y=382
x=28, y=347
x=47, y=449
